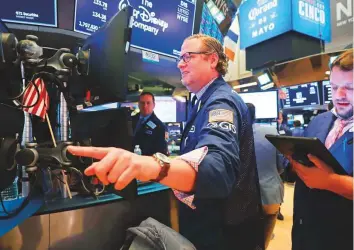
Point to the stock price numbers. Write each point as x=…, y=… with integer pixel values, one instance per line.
x=101, y=3
x=88, y=26
x=103, y=17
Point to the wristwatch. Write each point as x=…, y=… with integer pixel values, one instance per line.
x=164, y=163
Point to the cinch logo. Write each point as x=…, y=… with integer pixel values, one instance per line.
x=313, y=12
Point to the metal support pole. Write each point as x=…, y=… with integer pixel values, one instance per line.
x=63, y=124
x=26, y=137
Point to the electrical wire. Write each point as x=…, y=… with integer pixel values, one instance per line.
x=96, y=192
x=11, y=214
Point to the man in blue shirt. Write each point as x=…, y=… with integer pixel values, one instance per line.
x=216, y=178
x=323, y=200
x=149, y=131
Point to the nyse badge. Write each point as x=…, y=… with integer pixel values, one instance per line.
x=151, y=124
x=221, y=115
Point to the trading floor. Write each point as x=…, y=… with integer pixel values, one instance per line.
x=282, y=231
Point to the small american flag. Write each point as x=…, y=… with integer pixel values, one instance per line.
x=31, y=96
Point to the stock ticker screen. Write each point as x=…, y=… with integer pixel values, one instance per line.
x=326, y=92
x=34, y=12
x=159, y=25
x=302, y=95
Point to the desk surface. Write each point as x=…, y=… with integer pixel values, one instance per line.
x=36, y=205
x=77, y=202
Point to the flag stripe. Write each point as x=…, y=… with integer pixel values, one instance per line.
x=40, y=99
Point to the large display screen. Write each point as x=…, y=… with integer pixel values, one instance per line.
x=36, y=12
x=312, y=18
x=266, y=103
x=159, y=25
x=261, y=20
x=302, y=95
x=326, y=92
x=208, y=25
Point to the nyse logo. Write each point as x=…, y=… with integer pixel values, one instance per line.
x=344, y=12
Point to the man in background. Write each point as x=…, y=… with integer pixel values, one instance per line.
x=296, y=131
x=271, y=185
x=149, y=131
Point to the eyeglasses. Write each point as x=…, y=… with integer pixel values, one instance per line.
x=186, y=57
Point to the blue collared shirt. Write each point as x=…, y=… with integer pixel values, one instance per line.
x=145, y=118
x=200, y=93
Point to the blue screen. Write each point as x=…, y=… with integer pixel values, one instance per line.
x=263, y=19
x=312, y=18
x=327, y=92
x=208, y=25
x=3, y=28
x=302, y=95
x=36, y=12
x=159, y=25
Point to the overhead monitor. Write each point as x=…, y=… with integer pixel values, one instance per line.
x=264, y=78
x=326, y=92
x=34, y=12
x=209, y=25
x=266, y=103
x=158, y=25
x=261, y=20
x=302, y=95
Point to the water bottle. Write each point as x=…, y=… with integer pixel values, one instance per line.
x=137, y=150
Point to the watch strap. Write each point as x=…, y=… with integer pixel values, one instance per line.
x=164, y=168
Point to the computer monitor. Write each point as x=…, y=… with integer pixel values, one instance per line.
x=105, y=128
x=168, y=109
x=174, y=130
x=34, y=12
x=301, y=95
x=326, y=92
x=266, y=103
x=105, y=72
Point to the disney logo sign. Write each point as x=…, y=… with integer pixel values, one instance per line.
x=143, y=17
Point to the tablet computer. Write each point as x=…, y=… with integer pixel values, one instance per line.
x=300, y=147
